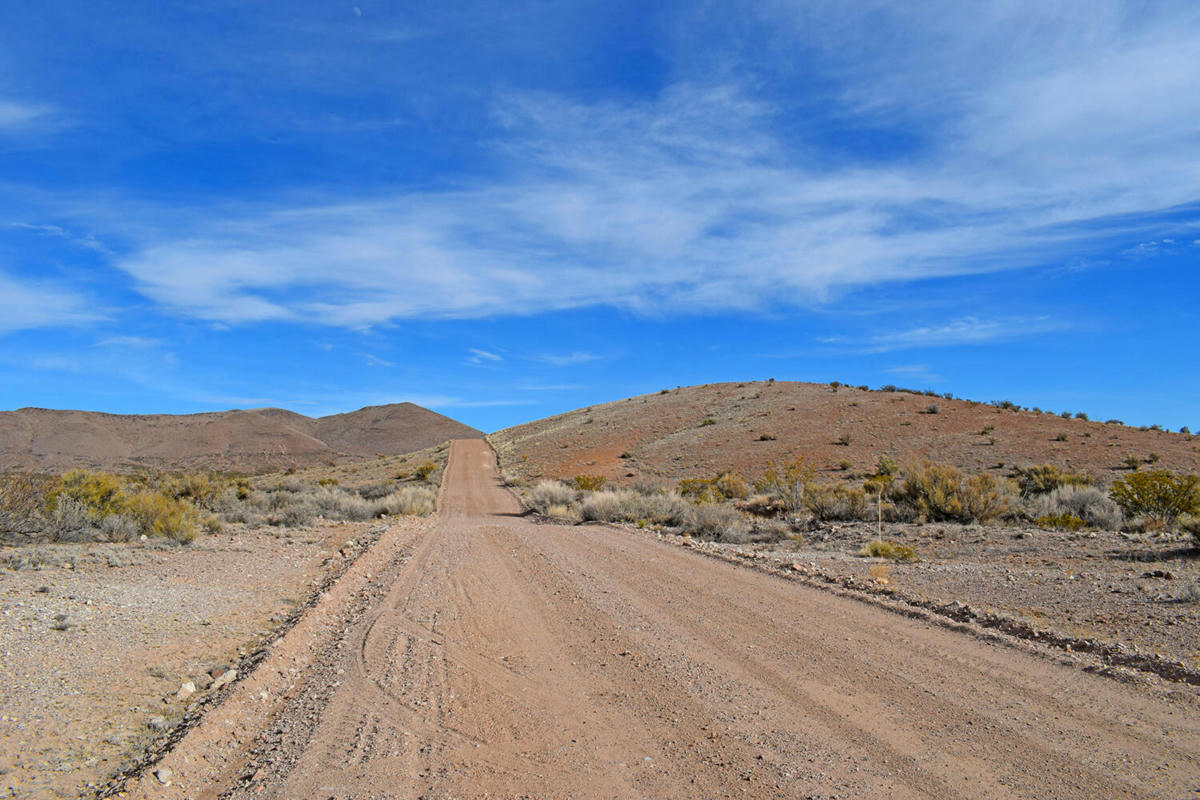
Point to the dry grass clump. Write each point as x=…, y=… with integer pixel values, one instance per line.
x=551, y=493
x=837, y=501
x=626, y=505
x=1087, y=504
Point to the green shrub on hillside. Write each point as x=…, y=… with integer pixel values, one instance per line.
x=1045, y=478
x=940, y=493
x=1160, y=496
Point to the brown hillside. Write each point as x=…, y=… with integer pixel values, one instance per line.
x=46, y=440
x=664, y=437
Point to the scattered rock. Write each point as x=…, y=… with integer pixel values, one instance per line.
x=1166, y=575
x=185, y=691
x=226, y=678
x=164, y=775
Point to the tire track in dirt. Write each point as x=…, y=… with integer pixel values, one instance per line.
x=507, y=659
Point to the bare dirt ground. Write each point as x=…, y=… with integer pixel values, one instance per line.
x=486, y=656
x=97, y=639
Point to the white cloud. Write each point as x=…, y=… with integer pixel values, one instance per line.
x=376, y=361
x=135, y=342
x=15, y=115
x=1040, y=126
x=566, y=359
x=479, y=356
x=28, y=304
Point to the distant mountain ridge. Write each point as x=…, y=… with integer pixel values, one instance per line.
x=48, y=440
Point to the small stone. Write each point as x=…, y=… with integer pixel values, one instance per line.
x=227, y=677
x=185, y=691
x=164, y=775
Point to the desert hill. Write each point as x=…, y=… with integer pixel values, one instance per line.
x=39, y=439
x=699, y=431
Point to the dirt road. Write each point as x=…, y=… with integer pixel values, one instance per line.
x=506, y=659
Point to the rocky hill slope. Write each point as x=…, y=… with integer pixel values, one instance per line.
x=699, y=431
x=264, y=439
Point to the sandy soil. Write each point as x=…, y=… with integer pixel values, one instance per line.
x=486, y=656
x=96, y=641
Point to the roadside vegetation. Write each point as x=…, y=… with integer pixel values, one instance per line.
x=96, y=506
x=790, y=499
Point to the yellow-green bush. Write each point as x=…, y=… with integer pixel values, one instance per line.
x=889, y=550
x=789, y=484
x=103, y=494
x=1065, y=522
x=425, y=470
x=1160, y=496
x=160, y=515
x=589, y=483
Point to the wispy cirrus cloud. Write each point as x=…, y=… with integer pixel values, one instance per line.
x=26, y=303
x=1022, y=139
x=952, y=333
x=15, y=115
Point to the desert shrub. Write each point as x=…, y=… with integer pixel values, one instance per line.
x=199, y=488
x=933, y=408
x=767, y=437
x=551, y=493
x=72, y=520
x=886, y=466
x=940, y=493
x=1160, y=496
x=299, y=514
x=700, y=490
x=985, y=498
x=1066, y=522
x=845, y=439
x=375, y=491
x=1060, y=437
x=1190, y=524
x=424, y=471
x=118, y=528
x=770, y=530
x=837, y=502
x=21, y=500
x=101, y=493
x=704, y=423
x=334, y=503
x=732, y=486
x=1132, y=462
x=788, y=485
x=882, y=548
x=589, y=483
x=722, y=523
x=160, y=515
x=1045, y=478
x=1087, y=503
x=416, y=501
x=626, y=505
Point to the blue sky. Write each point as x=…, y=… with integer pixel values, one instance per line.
x=503, y=211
